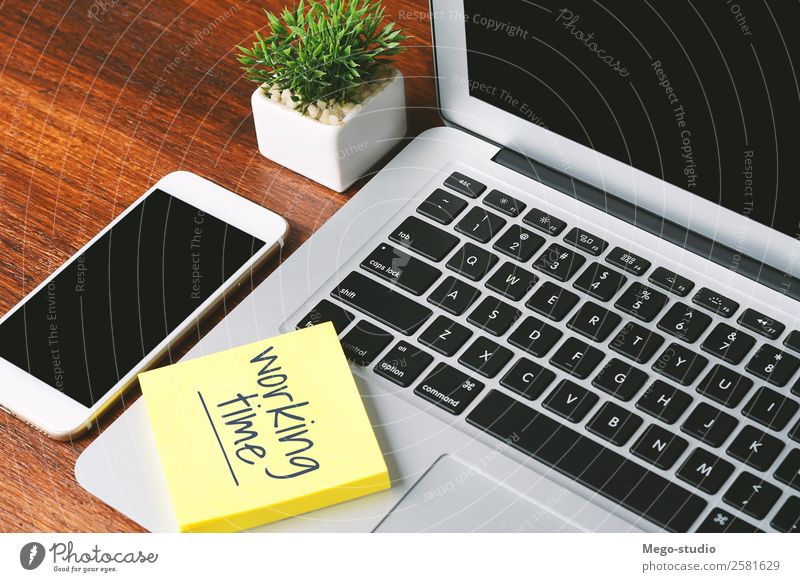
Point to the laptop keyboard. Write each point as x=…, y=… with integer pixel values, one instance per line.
x=643, y=362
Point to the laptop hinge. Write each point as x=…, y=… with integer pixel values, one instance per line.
x=652, y=223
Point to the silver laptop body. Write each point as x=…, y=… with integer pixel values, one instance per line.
x=564, y=342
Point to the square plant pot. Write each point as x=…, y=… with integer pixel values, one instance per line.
x=333, y=155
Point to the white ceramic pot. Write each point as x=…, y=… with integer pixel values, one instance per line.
x=333, y=155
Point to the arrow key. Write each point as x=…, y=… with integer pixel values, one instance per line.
x=752, y=495
x=789, y=470
x=787, y=520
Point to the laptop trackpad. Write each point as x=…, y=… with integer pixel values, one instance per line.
x=454, y=497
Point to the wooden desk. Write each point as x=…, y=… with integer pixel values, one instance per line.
x=92, y=114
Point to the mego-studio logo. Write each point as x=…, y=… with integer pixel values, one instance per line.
x=31, y=555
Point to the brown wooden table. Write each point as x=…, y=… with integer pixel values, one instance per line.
x=91, y=114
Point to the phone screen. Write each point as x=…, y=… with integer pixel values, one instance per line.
x=102, y=314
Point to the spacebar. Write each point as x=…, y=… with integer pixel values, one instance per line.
x=642, y=491
x=384, y=304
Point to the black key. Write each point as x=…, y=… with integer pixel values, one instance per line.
x=464, y=185
x=641, y=301
x=449, y=388
x=705, y=471
x=552, y=301
x=620, y=379
x=570, y=401
x=773, y=365
x=709, y=425
x=659, y=447
x=364, y=342
x=480, y=224
x=787, y=520
x=680, y=364
x=401, y=269
x=761, y=324
x=614, y=424
x=512, y=281
x=794, y=434
x=485, y=357
x=454, y=296
x=720, y=521
x=594, y=322
x=472, y=261
x=577, y=358
x=494, y=316
x=582, y=459
x=504, y=203
x=600, y=282
x=327, y=311
x=752, y=495
x=535, y=337
x=547, y=223
x=728, y=343
x=789, y=470
x=559, y=262
x=715, y=302
x=445, y=336
x=725, y=386
x=671, y=282
x=403, y=364
x=585, y=241
x=381, y=302
x=528, y=379
x=637, y=343
x=792, y=341
x=627, y=261
x=771, y=409
x=442, y=206
x=756, y=448
x=684, y=322
x=663, y=401
x=518, y=243
x=423, y=238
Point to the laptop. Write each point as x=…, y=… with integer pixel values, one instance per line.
x=575, y=306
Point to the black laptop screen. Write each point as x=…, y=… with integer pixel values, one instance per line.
x=703, y=94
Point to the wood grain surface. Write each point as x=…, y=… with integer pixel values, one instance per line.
x=95, y=108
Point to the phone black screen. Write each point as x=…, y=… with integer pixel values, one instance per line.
x=101, y=315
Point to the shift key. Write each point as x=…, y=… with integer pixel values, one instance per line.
x=384, y=304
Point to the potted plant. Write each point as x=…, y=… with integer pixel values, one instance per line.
x=329, y=104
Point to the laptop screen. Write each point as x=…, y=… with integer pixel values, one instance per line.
x=702, y=94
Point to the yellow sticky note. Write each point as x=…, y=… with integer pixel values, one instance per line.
x=262, y=432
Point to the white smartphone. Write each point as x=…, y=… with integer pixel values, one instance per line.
x=77, y=341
